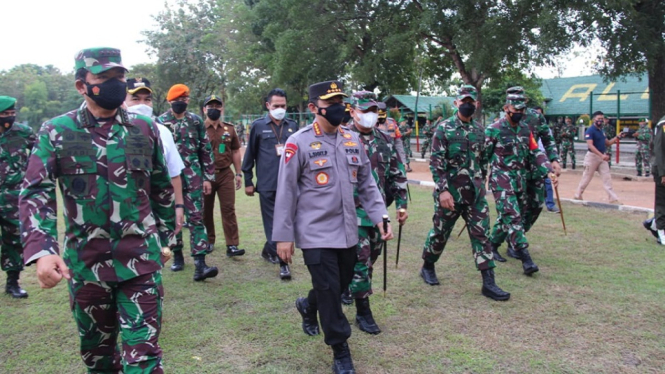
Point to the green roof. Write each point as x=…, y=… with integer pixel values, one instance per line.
x=571, y=96
x=408, y=102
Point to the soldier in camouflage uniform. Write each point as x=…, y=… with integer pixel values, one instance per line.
x=388, y=173
x=510, y=148
x=16, y=141
x=193, y=145
x=568, y=142
x=427, y=131
x=406, y=131
x=643, y=136
x=240, y=130
x=556, y=133
x=459, y=169
x=536, y=185
x=118, y=212
x=610, y=132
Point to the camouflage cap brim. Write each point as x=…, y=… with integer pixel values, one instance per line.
x=104, y=67
x=367, y=105
x=518, y=104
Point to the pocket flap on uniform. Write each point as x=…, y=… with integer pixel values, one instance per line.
x=320, y=163
x=353, y=160
x=139, y=162
x=72, y=166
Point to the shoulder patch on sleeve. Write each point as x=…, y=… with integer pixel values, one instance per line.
x=290, y=150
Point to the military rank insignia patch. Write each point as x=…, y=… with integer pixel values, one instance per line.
x=315, y=145
x=321, y=162
x=347, y=136
x=322, y=179
x=289, y=151
x=350, y=144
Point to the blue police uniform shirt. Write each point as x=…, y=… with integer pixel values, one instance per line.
x=598, y=137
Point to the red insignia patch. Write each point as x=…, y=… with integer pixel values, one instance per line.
x=95, y=90
x=354, y=159
x=533, y=145
x=322, y=179
x=288, y=154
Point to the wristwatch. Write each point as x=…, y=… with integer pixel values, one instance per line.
x=238, y=175
x=180, y=206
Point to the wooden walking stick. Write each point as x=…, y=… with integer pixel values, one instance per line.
x=558, y=201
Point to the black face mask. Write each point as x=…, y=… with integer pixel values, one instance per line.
x=108, y=95
x=7, y=122
x=515, y=117
x=178, y=107
x=213, y=114
x=467, y=109
x=382, y=121
x=334, y=114
x=599, y=123
x=347, y=117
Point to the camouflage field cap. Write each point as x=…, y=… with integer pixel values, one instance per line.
x=99, y=59
x=212, y=98
x=516, y=100
x=515, y=90
x=364, y=100
x=382, y=109
x=326, y=90
x=465, y=91
x=6, y=103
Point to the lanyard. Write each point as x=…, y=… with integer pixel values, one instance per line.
x=281, y=129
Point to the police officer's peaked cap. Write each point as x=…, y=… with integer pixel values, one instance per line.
x=212, y=98
x=516, y=100
x=98, y=60
x=326, y=90
x=382, y=109
x=134, y=85
x=7, y=103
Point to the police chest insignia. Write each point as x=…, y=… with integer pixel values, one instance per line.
x=354, y=159
x=353, y=151
x=350, y=144
x=317, y=129
x=290, y=130
x=321, y=162
x=354, y=174
x=315, y=145
x=322, y=179
x=318, y=154
x=347, y=136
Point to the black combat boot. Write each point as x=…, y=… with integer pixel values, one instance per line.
x=232, y=250
x=342, y=361
x=647, y=174
x=347, y=299
x=495, y=253
x=639, y=173
x=429, y=274
x=178, y=261
x=648, y=224
x=490, y=289
x=310, y=324
x=364, y=317
x=202, y=270
x=510, y=252
x=13, y=287
x=422, y=155
x=527, y=263
x=573, y=166
x=284, y=272
x=564, y=166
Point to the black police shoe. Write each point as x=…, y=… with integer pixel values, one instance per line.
x=528, y=265
x=13, y=288
x=364, y=317
x=347, y=299
x=342, y=361
x=490, y=289
x=495, y=253
x=428, y=274
x=647, y=225
x=273, y=259
x=310, y=324
x=510, y=252
x=284, y=272
x=203, y=271
x=178, y=261
x=232, y=251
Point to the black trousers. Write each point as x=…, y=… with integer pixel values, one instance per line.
x=267, y=200
x=659, y=208
x=331, y=270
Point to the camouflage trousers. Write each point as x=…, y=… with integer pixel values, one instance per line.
x=557, y=144
x=407, y=147
x=11, y=251
x=509, y=225
x=133, y=309
x=368, y=249
x=427, y=142
x=477, y=219
x=567, y=147
x=642, y=160
x=535, y=197
x=609, y=153
x=198, y=237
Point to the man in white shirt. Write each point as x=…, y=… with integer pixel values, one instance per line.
x=139, y=101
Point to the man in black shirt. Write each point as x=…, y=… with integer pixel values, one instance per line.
x=264, y=149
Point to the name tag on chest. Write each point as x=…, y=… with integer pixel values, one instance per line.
x=279, y=149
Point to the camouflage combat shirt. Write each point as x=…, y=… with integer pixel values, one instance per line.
x=15, y=145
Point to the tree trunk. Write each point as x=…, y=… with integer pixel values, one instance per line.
x=479, y=106
x=657, y=88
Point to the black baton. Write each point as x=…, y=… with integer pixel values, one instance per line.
x=386, y=219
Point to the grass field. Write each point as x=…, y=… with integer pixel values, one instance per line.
x=596, y=306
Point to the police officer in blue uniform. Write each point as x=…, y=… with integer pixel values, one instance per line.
x=320, y=168
x=267, y=138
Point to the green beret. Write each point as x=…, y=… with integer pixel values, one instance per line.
x=7, y=102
